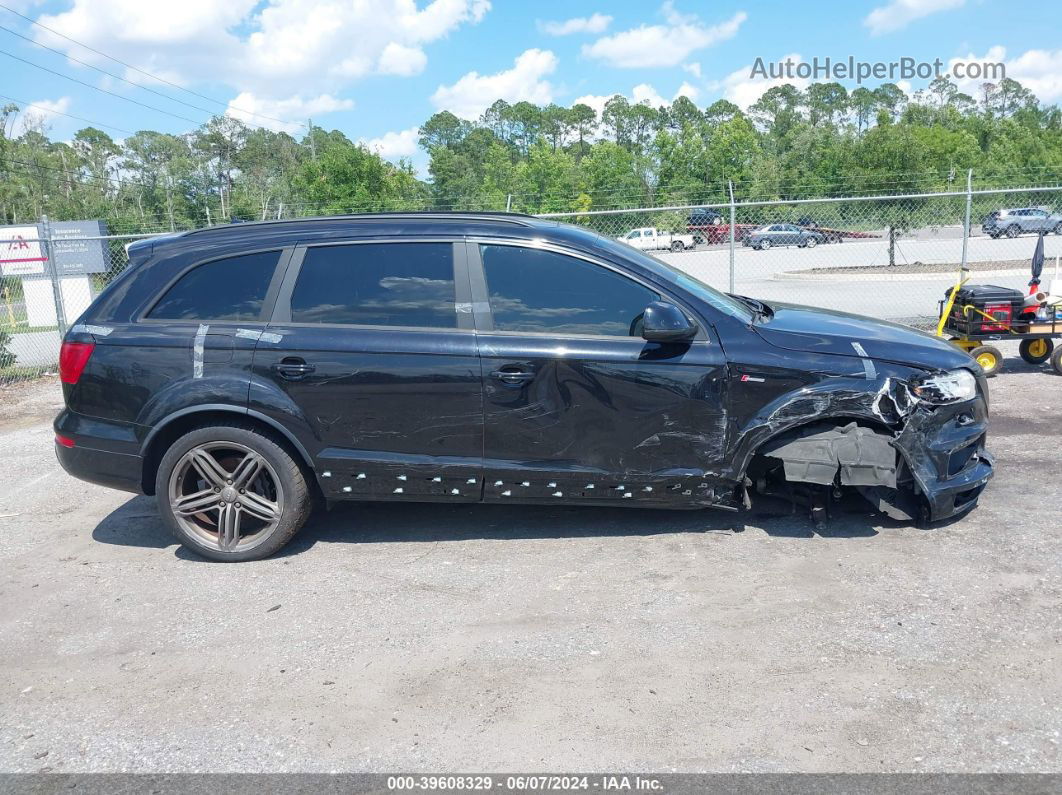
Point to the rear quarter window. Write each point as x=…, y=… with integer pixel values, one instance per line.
x=233, y=288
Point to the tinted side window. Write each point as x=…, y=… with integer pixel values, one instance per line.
x=541, y=291
x=377, y=284
x=224, y=289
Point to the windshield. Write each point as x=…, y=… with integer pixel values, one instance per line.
x=721, y=301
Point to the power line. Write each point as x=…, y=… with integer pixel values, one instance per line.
x=97, y=88
x=146, y=73
x=71, y=173
x=68, y=115
x=109, y=74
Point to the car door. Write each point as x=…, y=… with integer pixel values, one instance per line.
x=577, y=406
x=1037, y=220
x=370, y=358
x=649, y=240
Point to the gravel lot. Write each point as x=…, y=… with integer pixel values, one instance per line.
x=428, y=638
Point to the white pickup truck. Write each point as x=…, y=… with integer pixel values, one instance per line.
x=649, y=238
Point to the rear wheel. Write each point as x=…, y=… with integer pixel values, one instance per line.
x=231, y=493
x=1056, y=360
x=1058, y=228
x=677, y=245
x=764, y=245
x=990, y=359
x=1036, y=351
x=811, y=242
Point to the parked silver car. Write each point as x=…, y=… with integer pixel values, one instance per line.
x=782, y=235
x=1012, y=222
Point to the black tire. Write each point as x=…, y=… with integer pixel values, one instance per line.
x=294, y=497
x=811, y=242
x=990, y=359
x=1036, y=351
x=1058, y=228
x=677, y=246
x=764, y=245
x=994, y=235
x=1056, y=360
x=1012, y=231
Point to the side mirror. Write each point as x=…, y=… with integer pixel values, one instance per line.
x=664, y=322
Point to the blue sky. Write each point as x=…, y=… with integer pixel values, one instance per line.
x=376, y=69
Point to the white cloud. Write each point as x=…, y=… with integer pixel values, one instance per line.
x=393, y=145
x=595, y=23
x=643, y=92
x=662, y=45
x=246, y=104
x=693, y=68
x=900, y=13
x=687, y=90
x=743, y=90
x=273, y=50
x=1040, y=71
x=397, y=59
x=43, y=112
x=474, y=93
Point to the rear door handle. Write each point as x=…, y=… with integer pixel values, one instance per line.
x=293, y=368
x=513, y=376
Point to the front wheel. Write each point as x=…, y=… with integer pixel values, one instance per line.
x=1013, y=231
x=231, y=493
x=990, y=359
x=1058, y=228
x=677, y=246
x=764, y=245
x=810, y=243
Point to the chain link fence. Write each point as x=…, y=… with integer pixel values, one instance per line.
x=47, y=279
x=890, y=257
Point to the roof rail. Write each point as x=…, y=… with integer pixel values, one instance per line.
x=517, y=219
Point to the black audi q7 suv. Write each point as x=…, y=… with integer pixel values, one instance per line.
x=243, y=374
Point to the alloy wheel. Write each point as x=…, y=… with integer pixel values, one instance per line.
x=226, y=495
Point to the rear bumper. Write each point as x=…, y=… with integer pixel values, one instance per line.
x=91, y=460
x=104, y=468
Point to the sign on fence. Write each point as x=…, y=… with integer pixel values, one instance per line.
x=20, y=251
x=73, y=253
x=54, y=261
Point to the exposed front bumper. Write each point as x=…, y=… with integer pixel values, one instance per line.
x=944, y=447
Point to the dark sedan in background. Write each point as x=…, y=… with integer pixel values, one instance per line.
x=783, y=235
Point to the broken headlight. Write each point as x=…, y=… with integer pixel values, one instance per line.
x=950, y=387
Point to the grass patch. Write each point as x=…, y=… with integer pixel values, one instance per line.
x=16, y=373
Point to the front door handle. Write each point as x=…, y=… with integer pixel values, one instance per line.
x=514, y=377
x=293, y=368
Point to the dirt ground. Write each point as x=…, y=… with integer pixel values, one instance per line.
x=469, y=638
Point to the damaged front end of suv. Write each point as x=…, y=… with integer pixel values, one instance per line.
x=903, y=425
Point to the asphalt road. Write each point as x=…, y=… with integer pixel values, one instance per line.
x=897, y=297
x=471, y=638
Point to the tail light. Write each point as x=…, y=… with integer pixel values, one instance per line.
x=65, y=441
x=73, y=357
